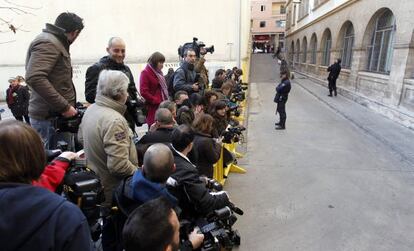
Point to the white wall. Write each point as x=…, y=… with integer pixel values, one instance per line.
x=145, y=25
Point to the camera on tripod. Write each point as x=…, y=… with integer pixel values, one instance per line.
x=195, y=45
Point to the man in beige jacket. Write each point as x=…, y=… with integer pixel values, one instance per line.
x=106, y=136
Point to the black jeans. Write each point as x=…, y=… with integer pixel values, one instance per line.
x=332, y=86
x=281, y=109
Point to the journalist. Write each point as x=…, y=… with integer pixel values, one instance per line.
x=194, y=198
x=164, y=125
x=115, y=61
x=49, y=76
x=206, y=150
x=105, y=134
x=33, y=217
x=185, y=75
x=154, y=226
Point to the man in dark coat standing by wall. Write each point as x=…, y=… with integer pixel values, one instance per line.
x=281, y=97
x=113, y=61
x=334, y=71
x=49, y=76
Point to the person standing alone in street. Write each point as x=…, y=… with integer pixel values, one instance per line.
x=18, y=100
x=281, y=97
x=334, y=71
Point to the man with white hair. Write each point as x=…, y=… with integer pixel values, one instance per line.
x=106, y=137
x=107, y=140
x=114, y=61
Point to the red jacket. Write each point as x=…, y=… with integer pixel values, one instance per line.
x=53, y=175
x=150, y=89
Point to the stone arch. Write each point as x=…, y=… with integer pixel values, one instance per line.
x=297, y=51
x=304, y=49
x=326, y=46
x=373, y=46
x=345, y=43
x=313, y=47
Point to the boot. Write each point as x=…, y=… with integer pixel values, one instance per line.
x=335, y=93
x=279, y=127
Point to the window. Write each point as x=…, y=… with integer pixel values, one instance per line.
x=380, y=49
x=262, y=7
x=262, y=24
x=297, y=51
x=326, y=53
x=304, y=8
x=282, y=9
x=281, y=23
x=304, y=50
x=313, y=47
x=348, y=44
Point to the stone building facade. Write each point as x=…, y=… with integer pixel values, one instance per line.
x=374, y=39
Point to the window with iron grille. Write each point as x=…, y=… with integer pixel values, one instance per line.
x=380, y=50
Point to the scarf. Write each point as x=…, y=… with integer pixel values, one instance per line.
x=163, y=83
x=10, y=97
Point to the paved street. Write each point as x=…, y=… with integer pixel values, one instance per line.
x=339, y=178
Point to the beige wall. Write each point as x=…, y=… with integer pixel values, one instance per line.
x=146, y=26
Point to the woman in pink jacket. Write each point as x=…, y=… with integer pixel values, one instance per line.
x=152, y=85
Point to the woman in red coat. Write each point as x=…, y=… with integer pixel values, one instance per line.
x=152, y=85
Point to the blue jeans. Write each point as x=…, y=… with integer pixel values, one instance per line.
x=50, y=136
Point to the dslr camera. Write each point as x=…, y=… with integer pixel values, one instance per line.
x=233, y=134
x=195, y=45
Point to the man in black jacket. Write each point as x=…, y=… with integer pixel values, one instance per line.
x=281, y=97
x=185, y=75
x=194, y=198
x=334, y=71
x=114, y=61
x=162, y=129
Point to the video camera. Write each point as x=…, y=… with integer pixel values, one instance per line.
x=83, y=187
x=217, y=229
x=71, y=124
x=137, y=110
x=195, y=45
x=233, y=134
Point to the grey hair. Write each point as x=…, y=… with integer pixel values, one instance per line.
x=112, y=84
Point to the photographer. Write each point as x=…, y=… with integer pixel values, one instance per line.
x=220, y=77
x=218, y=111
x=32, y=217
x=194, y=198
x=115, y=61
x=155, y=226
x=201, y=69
x=106, y=136
x=206, y=150
x=185, y=75
x=49, y=76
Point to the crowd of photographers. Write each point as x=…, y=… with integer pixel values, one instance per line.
x=141, y=188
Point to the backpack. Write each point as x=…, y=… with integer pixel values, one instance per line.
x=170, y=82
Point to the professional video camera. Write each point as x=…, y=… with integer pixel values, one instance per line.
x=195, y=45
x=71, y=124
x=234, y=108
x=83, y=187
x=217, y=229
x=233, y=134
